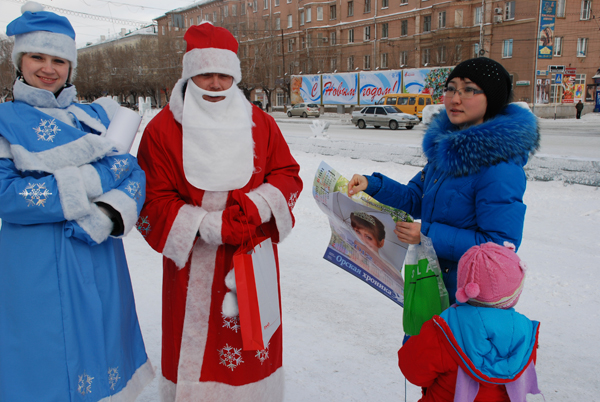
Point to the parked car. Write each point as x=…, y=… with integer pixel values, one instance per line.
x=407, y=103
x=304, y=110
x=378, y=116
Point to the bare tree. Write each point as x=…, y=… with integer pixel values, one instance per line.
x=7, y=70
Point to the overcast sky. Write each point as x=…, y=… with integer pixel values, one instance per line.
x=89, y=29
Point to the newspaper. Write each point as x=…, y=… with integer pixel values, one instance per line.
x=362, y=241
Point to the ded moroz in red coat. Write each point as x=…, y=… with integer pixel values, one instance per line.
x=202, y=356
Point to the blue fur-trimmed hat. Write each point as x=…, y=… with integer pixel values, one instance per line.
x=39, y=31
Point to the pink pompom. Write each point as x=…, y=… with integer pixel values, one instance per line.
x=461, y=295
x=510, y=246
x=523, y=265
x=472, y=290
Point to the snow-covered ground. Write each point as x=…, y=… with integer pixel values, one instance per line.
x=341, y=336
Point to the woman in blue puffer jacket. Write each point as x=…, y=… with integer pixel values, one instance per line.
x=471, y=190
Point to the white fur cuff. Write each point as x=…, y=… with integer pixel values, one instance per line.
x=97, y=225
x=183, y=234
x=263, y=207
x=279, y=207
x=73, y=196
x=210, y=228
x=91, y=180
x=125, y=205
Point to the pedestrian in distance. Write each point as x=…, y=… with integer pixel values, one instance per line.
x=578, y=108
x=479, y=349
x=219, y=172
x=68, y=324
x=471, y=190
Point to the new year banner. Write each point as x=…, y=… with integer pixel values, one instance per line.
x=340, y=89
x=305, y=89
x=373, y=85
x=426, y=81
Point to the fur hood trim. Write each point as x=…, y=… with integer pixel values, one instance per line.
x=511, y=136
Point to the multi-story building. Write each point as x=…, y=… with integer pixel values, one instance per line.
x=280, y=38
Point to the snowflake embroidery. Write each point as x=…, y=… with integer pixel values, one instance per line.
x=113, y=377
x=293, y=200
x=84, y=385
x=35, y=194
x=119, y=167
x=230, y=357
x=133, y=188
x=47, y=130
x=262, y=355
x=143, y=225
x=233, y=323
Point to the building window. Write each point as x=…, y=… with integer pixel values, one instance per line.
x=303, y=43
x=367, y=62
x=384, y=3
x=478, y=16
x=289, y=21
x=403, y=1
x=278, y=48
x=426, y=56
x=458, y=18
x=384, y=30
x=404, y=28
x=476, y=49
x=442, y=19
x=319, y=13
x=441, y=54
x=333, y=64
x=265, y=4
x=278, y=23
x=255, y=5
x=350, y=63
x=280, y=95
x=234, y=10
x=308, y=13
x=509, y=10
x=309, y=40
x=226, y=11
x=586, y=9
x=403, y=58
x=266, y=24
x=301, y=12
x=351, y=36
x=320, y=39
x=582, y=47
x=276, y=3
x=243, y=8
x=507, y=47
x=384, y=60
x=558, y=41
x=215, y=16
x=427, y=23
x=560, y=8
x=367, y=33
x=458, y=53
x=332, y=38
x=332, y=13
x=367, y=6
x=350, y=8
x=290, y=45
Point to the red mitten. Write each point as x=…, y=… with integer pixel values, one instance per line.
x=236, y=228
x=248, y=207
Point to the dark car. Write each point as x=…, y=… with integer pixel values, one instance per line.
x=258, y=103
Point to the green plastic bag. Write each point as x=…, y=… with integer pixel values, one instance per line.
x=425, y=294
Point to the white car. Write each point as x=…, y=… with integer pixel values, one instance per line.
x=378, y=116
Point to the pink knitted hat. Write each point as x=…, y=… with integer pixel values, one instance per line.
x=490, y=275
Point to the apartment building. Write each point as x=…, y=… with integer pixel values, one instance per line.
x=280, y=38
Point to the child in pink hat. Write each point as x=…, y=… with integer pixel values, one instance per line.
x=479, y=349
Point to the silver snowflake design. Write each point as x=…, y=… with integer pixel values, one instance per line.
x=133, y=188
x=143, y=225
x=119, y=167
x=293, y=200
x=84, y=386
x=233, y=323
x=47, y=130
x=398, y=297
x=113, y=377
x=230, y=357
x=36, y=194
x=262, y=355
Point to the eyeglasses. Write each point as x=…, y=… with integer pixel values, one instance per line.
x=465, y=93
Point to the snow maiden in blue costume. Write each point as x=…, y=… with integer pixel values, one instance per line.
x=68, y=325
x=471, y=190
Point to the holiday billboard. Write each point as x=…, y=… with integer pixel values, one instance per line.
x=426, y=81
x=546, y=34
x=305, y=89
x=340, y=89
x=375, y=84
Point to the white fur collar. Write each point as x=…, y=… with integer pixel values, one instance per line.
x=42, y=98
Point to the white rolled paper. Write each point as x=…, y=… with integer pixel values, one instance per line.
x=123, y=129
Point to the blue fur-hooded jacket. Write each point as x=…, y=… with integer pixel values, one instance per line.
x=471, y=190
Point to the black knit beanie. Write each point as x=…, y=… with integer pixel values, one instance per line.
x=491, y=77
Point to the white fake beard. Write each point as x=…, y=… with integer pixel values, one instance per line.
x=218, y=150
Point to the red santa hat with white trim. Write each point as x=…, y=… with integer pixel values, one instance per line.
x=210, y=49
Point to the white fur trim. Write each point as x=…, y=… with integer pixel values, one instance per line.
x=215, y=200
x=210, y=228
x=142, y=377
x=279, y=208
x=52, y=43
x=230, y=305
x=176, y=101
x=230, y=280
x=5, y=148
x=86, y=149
x=167, y=389
x=109, y=106
x=97, y=225
x=90, y=121
x=263, y=207
x=91, y=179
x=73, y=196
x=211, y=60
x=124, y=204
x=183, y=234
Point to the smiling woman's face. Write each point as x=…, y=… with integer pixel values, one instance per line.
x=44, y=71
x=465, y=112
